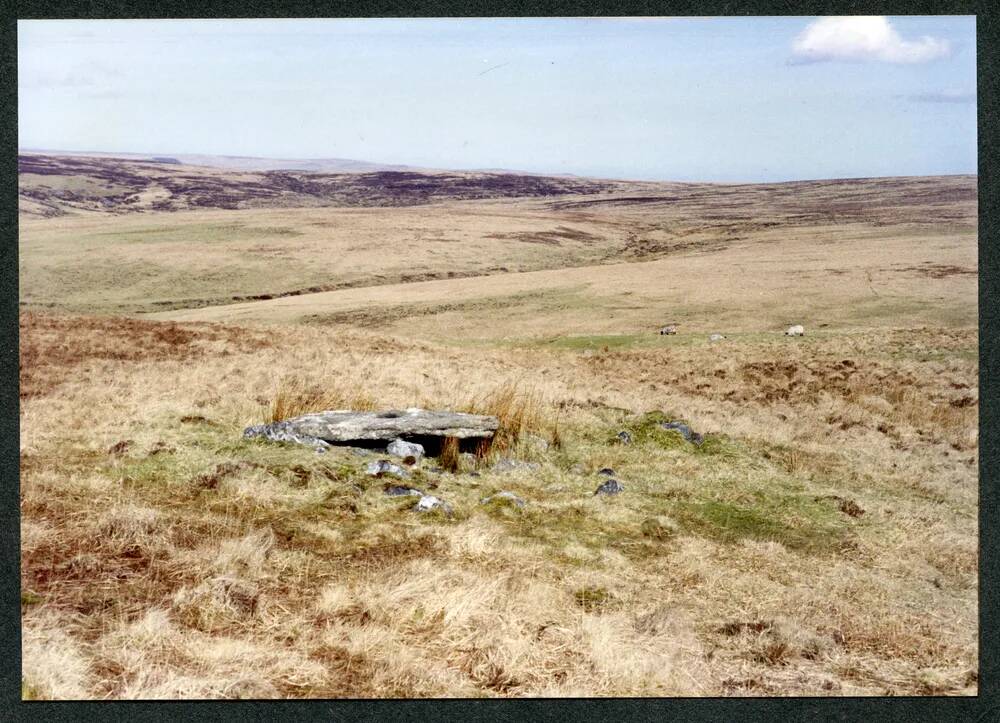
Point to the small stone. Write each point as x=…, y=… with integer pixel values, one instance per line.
x=607, y=471
x=401, y=448
x=430, y=502
x=578, y=469
x=611, y=487
x=624, y=437
x=510, y=496
x=399, y=491
x=795, y=330
x=668, y=329
x=716, y=337
x=383, y=467
x=685, y=431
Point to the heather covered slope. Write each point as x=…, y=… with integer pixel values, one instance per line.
x=54, y=185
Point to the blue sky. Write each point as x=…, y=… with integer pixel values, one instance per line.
x=716, y=99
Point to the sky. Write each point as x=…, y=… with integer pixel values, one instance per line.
x=706, y=99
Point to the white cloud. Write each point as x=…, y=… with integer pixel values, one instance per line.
x=863, y=38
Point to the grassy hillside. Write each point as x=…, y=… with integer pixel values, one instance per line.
x=874, y=235
x=821, y=541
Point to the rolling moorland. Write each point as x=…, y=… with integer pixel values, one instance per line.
x=822, y=540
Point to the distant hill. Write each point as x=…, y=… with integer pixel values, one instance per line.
x=254, y=163
x=238, y=163
x=51, y=185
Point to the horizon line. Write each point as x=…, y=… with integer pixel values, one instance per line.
x=420, y=168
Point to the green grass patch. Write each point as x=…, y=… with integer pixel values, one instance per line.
x=559, y=527
x=796, y=521
x=646, y=430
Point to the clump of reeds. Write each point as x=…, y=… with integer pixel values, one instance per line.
x=519, y=412
x=449, y=458
x=294, y=397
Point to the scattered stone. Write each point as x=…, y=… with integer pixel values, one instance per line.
x=606, y=471
x=430, y=502
x=401, y=448
x=716, y=337
x=399, y=491
x=341, y=426
x=506, y=464
x=685, y=431
x=611, y=487
x=659, y=528
x=510, y=496
x=624, y=437
x=382, y=467
x=668, y=329
x=796, y=330
x=283, y=432
x=578, y=469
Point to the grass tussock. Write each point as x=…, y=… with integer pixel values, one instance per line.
x=295, y=396
x=519, y=410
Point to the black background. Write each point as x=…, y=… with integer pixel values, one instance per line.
x=986, y=707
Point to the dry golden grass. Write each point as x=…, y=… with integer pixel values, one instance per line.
x=295, y=397
x=519, y=410
x=822, y=541
x=449, y=456
x=194, y=564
